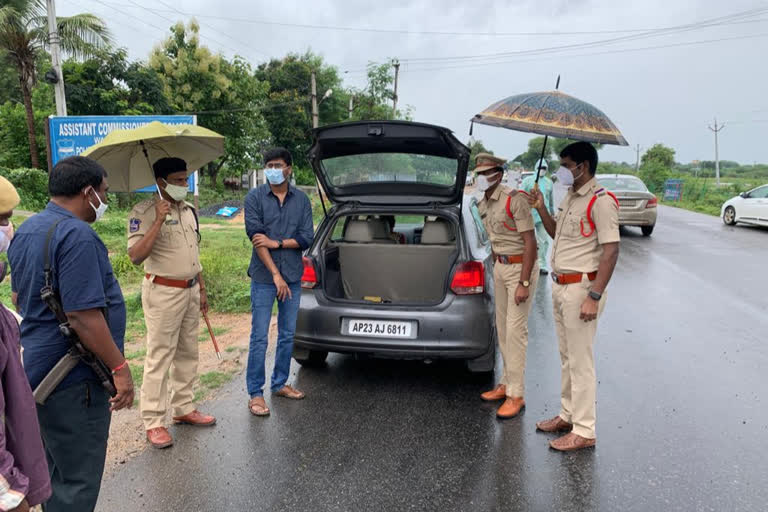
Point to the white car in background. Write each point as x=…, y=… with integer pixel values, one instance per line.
x=748, y=208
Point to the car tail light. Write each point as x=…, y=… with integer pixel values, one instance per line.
x=652, y=202
x=469, y=278
x=309, y=277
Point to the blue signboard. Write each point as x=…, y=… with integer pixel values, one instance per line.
x=673, y=190
x=71, y=135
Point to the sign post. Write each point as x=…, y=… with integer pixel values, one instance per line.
x=71, y=135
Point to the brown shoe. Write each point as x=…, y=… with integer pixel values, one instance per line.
x=195, y=418
x=510, y=408
x=498, y=393
x=556, y=424
x=289, y=392
x=159, y=437
x=571, y=442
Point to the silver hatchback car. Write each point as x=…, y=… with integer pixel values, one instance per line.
x=401, y=265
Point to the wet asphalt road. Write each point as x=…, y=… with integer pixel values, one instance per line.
x=682, y=357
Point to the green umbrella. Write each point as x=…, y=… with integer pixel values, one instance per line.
x=128, y=155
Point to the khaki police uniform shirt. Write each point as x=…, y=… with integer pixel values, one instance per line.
x=505, y=225
x=573, y=252
x=176, y=253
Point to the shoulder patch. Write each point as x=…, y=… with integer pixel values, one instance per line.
x=144, y=206
x=134, y=224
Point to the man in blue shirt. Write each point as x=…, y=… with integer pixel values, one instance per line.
x=278, y=221
x=74, y=422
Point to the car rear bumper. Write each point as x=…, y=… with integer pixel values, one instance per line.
x=645, y=217
x=459, y=328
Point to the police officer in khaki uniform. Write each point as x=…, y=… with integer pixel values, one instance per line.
x=163, y=233
x=507, y=218
x=584, y=255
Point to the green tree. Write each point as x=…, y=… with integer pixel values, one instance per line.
x=289, y=110
x=14, y=142
x=476, y=147
x=661, y=154
x=226, y=96
x=24, y=36
x=374, y=102
x=108, y=84
x=656, y=167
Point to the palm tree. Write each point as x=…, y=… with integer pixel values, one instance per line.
x=24, y=36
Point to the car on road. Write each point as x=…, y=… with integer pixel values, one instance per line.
x=398, y=269
x=637, y=205
x=748, y=208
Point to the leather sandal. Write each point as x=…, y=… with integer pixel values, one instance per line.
x=258, y=406
x=290, y=392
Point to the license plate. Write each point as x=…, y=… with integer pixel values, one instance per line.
x=378, y=328
x=628, y=203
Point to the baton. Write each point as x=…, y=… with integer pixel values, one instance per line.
x=213, y=338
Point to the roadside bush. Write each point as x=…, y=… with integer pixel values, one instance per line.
x=32, y=185
x=304, y=176
x=654, y=174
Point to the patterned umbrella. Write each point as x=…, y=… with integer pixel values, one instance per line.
x=554, y=114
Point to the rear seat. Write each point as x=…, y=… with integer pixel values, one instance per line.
x=396, y=273
x=438, y=232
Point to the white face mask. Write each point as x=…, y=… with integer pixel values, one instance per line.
x=175, y=192
x=98, y=209
x=565, y=176
x=483, y=183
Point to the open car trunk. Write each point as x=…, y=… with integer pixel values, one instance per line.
x=363, y=268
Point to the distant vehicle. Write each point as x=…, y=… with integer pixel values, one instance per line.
x=748, y=208
x=428, y=295
x=637, y=206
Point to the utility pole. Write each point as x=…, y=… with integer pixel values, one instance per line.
x=716, y=129
x=53, y=41
x=351, y=105
x=637, y=162
x=394, y=96
x=315, y=113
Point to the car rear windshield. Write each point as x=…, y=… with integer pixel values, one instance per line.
x=630, y=184
x=391, y=168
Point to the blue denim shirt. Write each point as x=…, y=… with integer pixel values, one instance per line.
x=293, y=219
x=83, y=277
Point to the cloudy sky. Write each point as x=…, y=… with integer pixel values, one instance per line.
x=458, y=57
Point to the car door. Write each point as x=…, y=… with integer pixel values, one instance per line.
x=761, y=204
x=755, y=205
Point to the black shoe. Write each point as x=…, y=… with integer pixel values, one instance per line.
x=543, y=272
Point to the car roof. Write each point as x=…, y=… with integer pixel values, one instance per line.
x=617, y=176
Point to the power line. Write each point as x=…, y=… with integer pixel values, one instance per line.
x=591, y=54
x=591, y=44
x=416, y=32
x=211, y=27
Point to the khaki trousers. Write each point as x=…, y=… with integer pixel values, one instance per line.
x=172, y=316
x=577, y=371
x=512, y=323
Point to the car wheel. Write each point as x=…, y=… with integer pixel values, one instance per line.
x=729, y=216
x=647, y=230
x=312, y=359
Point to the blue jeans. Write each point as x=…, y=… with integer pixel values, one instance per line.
x=262, y=299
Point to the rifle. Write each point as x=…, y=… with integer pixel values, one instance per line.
x=77, y=352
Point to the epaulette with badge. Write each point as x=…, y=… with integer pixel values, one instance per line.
x=144, y=206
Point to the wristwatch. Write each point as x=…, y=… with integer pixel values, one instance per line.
x=595, y=296
x=525, y=284
x=280, y=244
